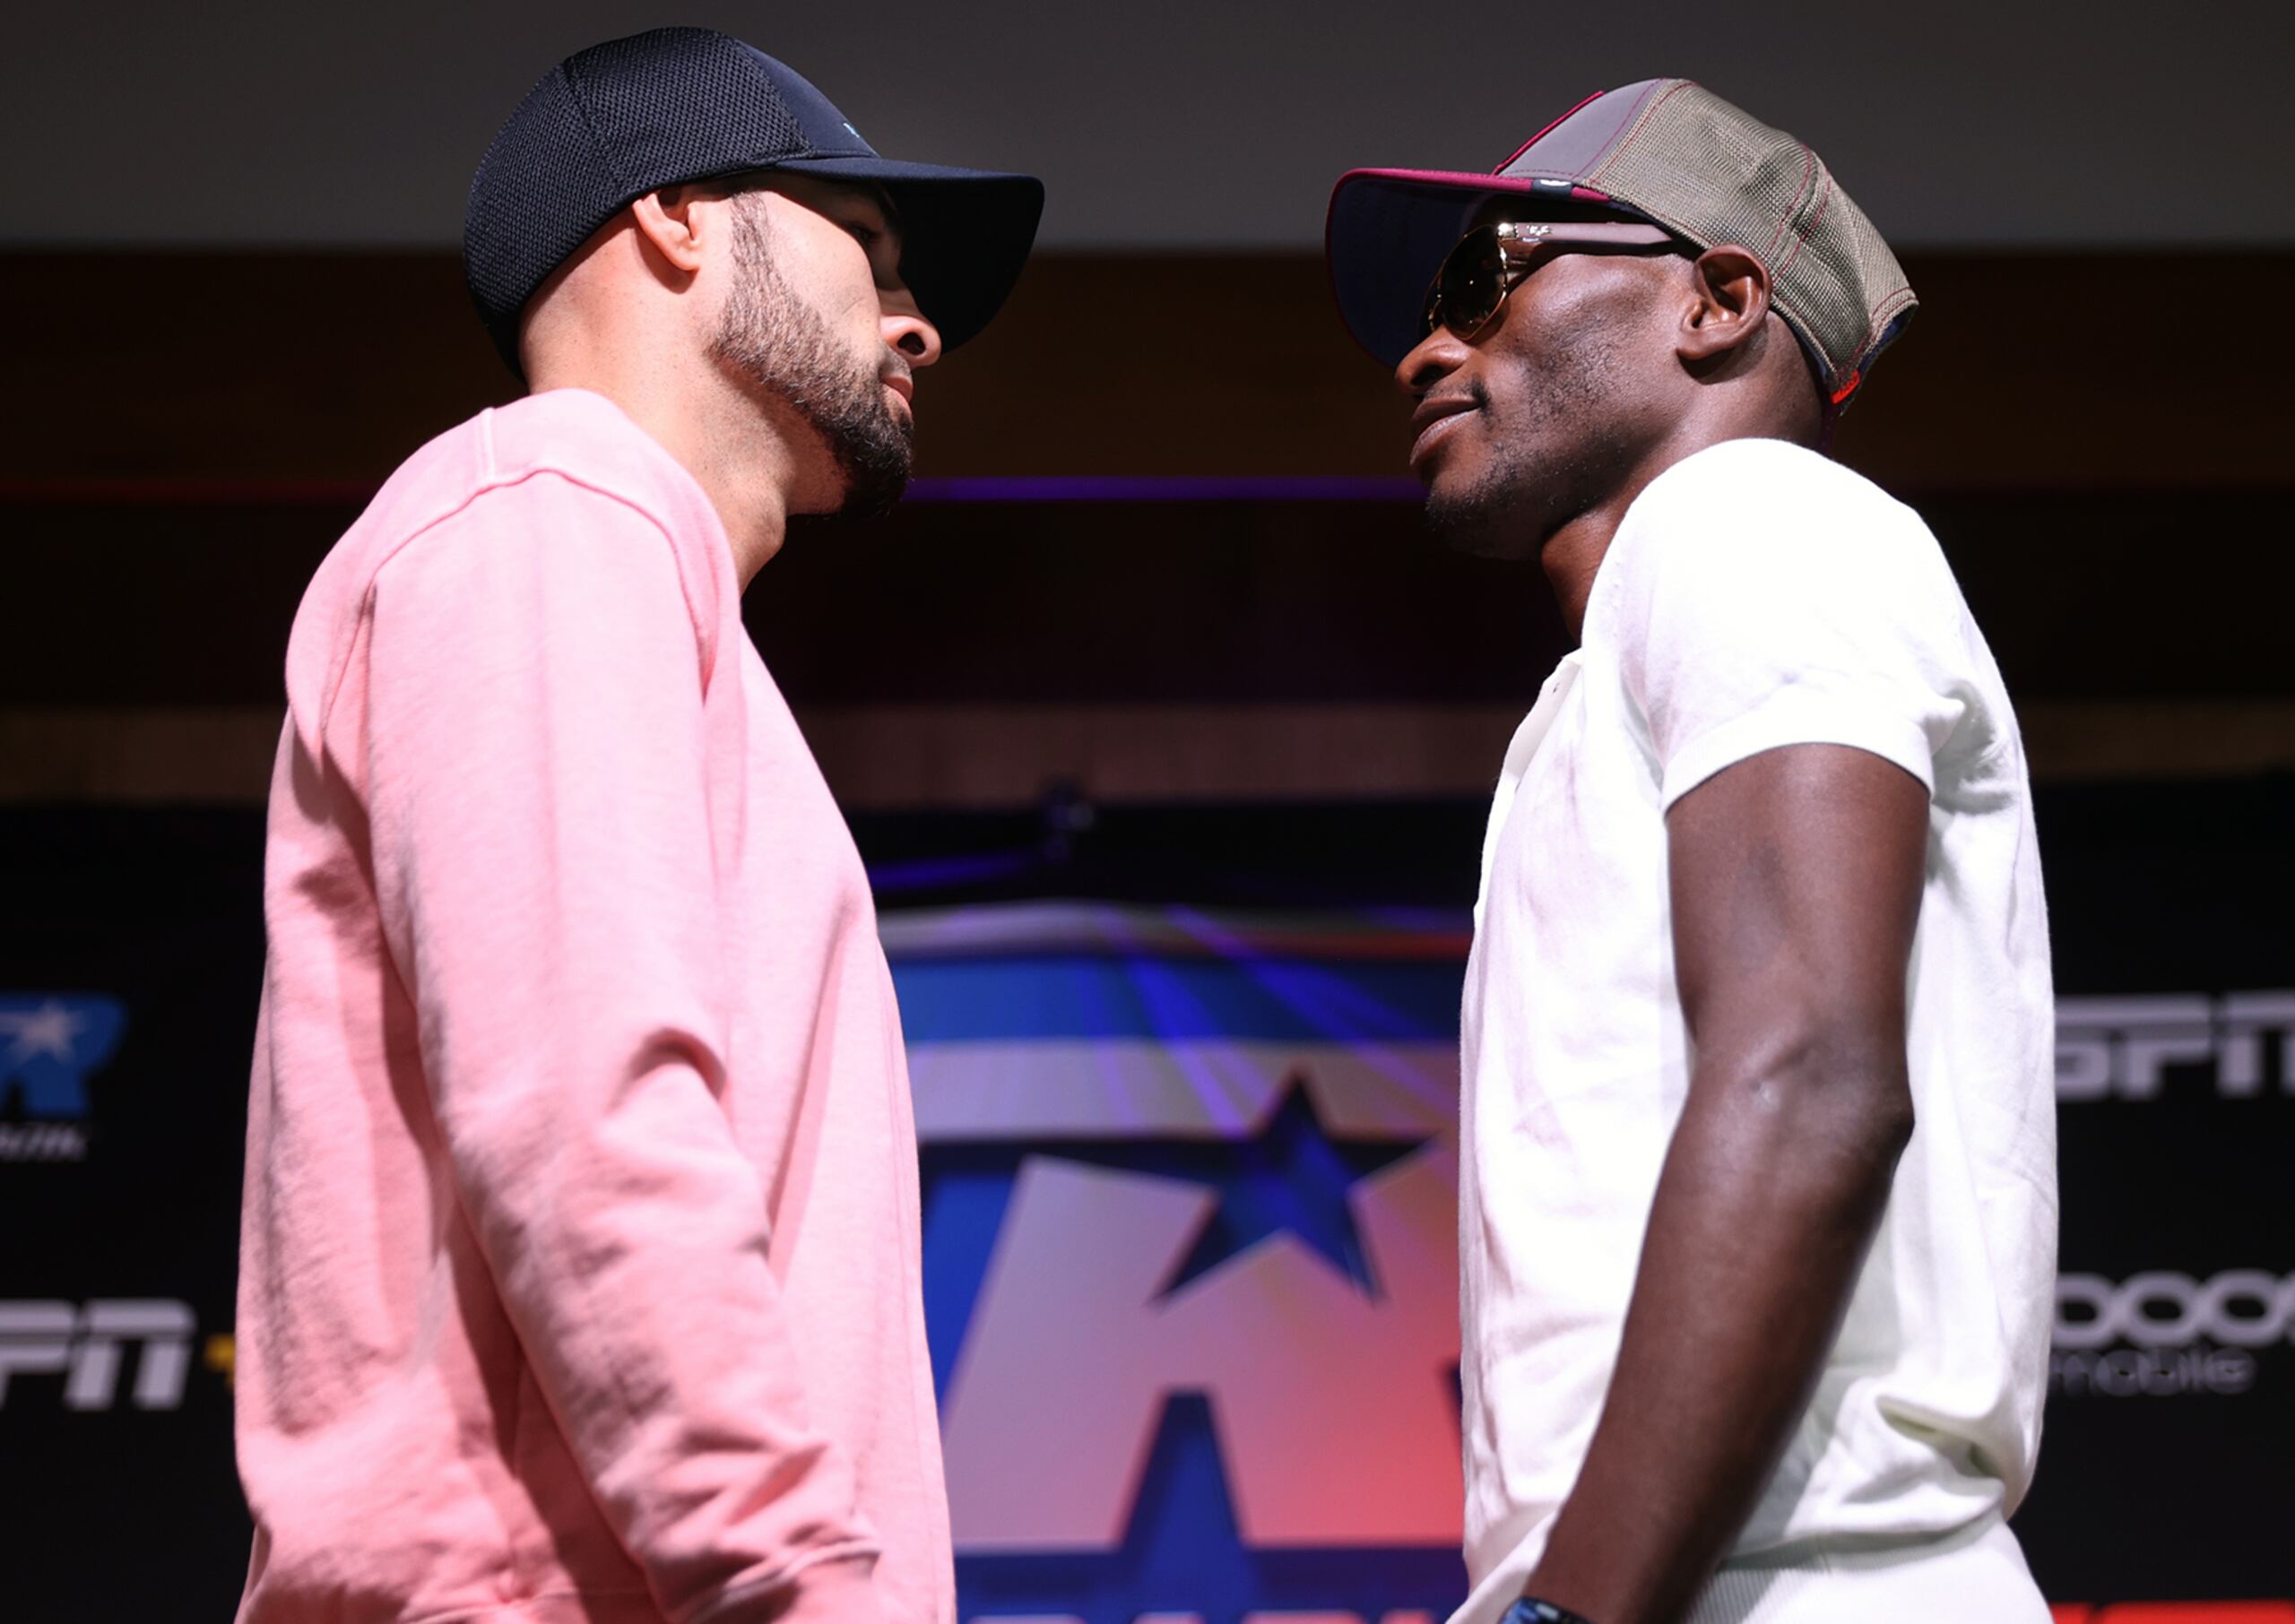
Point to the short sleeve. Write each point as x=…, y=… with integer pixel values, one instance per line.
x=1759, y=595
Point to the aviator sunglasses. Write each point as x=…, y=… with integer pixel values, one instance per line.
x=1490, y=261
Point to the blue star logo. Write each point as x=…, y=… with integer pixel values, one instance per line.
x=1293, y=1177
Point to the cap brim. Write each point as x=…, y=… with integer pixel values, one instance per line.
x=1387, y=232
x=965, y=234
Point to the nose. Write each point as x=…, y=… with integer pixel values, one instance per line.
x=904, y=329
x=1431, y=361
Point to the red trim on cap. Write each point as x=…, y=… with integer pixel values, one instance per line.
x=1549, y=129
x=1847, y=389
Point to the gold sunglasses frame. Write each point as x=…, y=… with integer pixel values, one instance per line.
x=1519, y=242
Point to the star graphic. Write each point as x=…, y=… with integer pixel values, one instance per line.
x=1291, y=1177
x=49, y=1032
x=1183, y=1553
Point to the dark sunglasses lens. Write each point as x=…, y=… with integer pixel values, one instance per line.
x=1471, y=282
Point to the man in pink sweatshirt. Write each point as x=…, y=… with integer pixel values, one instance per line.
x=580, y=1278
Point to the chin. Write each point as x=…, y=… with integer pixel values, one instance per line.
x=1480, y=519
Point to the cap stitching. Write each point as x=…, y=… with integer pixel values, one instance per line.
x=1632, y=131
x=598, y=144
x=1831, y=191
x=1809, y=174
x=1882, y=313
x=806, y=148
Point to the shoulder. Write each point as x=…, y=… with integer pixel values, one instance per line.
x=586, y=441
x=562, y=481
x=562, y=487
x=1765, y=519
x=1753, y=488
x=569, y=449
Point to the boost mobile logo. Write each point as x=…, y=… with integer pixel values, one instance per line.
x=2246, y=1308
x=86, y=1347
x=2162, y=1335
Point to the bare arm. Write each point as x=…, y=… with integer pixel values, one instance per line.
x=1797, y=879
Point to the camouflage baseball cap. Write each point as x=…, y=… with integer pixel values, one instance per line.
x=1663, y=150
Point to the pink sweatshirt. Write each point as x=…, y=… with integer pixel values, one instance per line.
x=580, y=1277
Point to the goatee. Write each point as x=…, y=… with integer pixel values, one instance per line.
x=775, y=344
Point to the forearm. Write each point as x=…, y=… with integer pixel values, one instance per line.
x=1769, y=1193
x=626, y=1237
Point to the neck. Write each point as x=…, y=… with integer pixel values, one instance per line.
x=740, y=460
x=1571, y=554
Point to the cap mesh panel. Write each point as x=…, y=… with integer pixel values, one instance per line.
x=540, y=191
x=607, y=126
x=678, y=103
x=1716, y=175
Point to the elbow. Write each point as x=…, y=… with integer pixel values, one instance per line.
x=1859, y=1088
x=1876, y=1083
x=1890, y=1123
x=1870, y=1144
x=1844, y=1108
x=1865, y=1112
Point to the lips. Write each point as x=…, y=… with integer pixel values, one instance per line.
x=903, y=385
x=1434, y=419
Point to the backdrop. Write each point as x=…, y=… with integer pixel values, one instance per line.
x=1189, y=1172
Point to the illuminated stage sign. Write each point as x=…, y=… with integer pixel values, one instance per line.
x=1191, y=1258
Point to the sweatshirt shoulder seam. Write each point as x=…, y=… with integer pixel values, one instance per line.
x=704, y=633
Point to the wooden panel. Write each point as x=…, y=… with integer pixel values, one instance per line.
x=2083, y=597
x=2037, y=372
x=186, y=435
x=975, y=757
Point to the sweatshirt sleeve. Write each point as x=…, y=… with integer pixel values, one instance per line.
x=541, y=829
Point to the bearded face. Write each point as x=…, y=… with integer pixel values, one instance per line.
x=778, y=346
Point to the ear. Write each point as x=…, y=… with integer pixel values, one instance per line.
x=669, y=223
x=1729, y=304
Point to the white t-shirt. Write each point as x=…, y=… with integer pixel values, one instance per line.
x=1756, y=595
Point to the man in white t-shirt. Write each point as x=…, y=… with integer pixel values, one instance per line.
x=1758, y=1188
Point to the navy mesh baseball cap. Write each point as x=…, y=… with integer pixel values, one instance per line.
x=673, y=105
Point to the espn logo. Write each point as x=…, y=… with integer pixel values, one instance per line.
x=2123, y=1048
x=87, y=1346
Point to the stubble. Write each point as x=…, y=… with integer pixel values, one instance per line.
x=777, y=345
